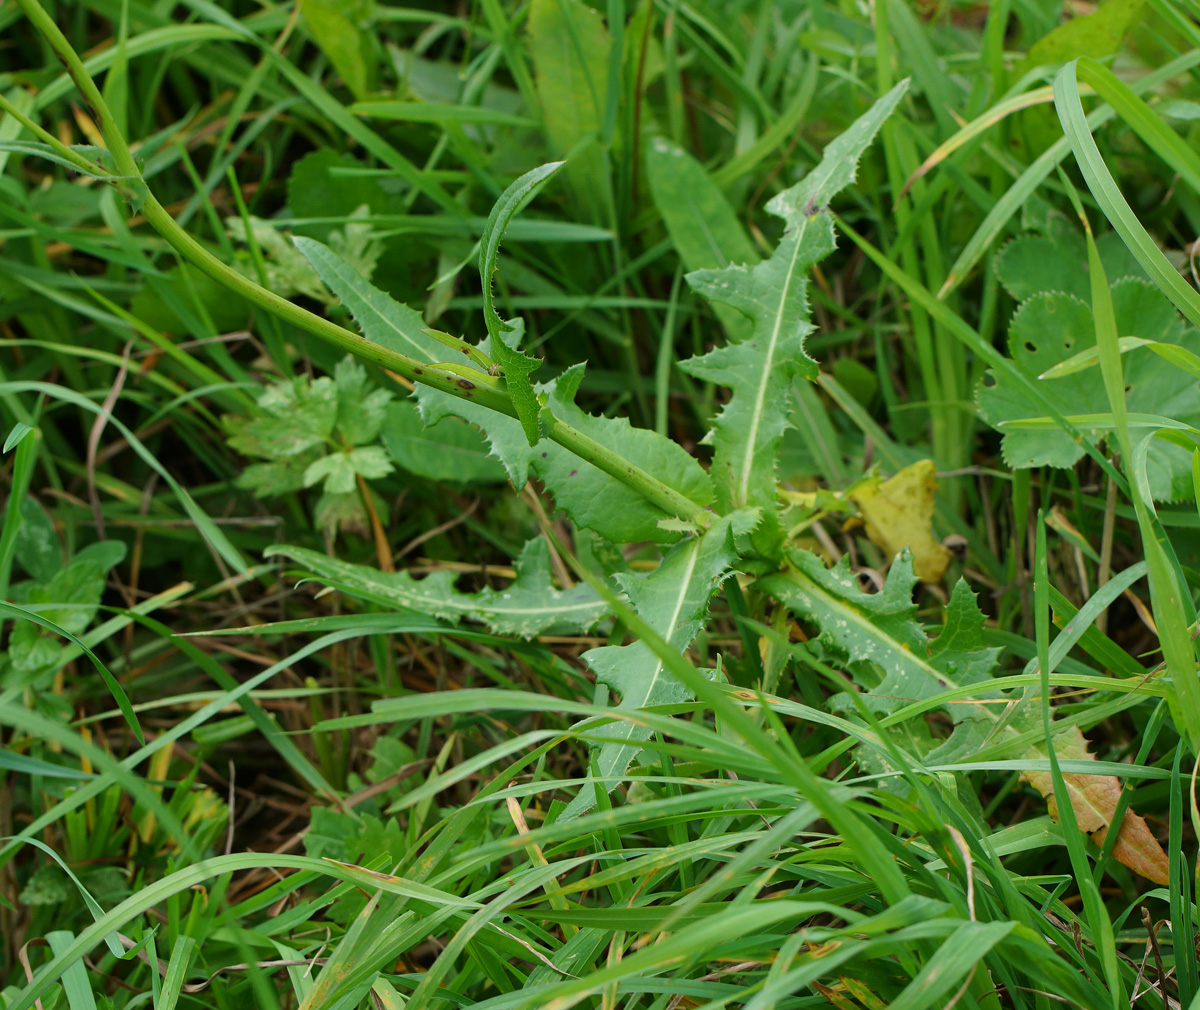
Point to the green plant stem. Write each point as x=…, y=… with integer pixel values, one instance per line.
x=493, y=396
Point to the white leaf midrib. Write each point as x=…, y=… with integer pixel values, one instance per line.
x=760, y=395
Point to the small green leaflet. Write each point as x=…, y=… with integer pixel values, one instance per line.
x=65, y=606
x=760, y=366
x=517, y=366
x=674, y=600
x=529, y=606
x=15, y=437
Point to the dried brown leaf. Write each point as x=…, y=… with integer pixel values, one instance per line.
x=1094, y=799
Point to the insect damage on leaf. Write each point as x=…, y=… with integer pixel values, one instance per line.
x=1094, y=799
x=762, y=359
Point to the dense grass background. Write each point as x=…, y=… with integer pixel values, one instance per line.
x=340, y=802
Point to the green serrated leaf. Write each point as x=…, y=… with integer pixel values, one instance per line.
x=334, y=512
x=76, y=589
x=880, y=629
x=382, y=319
x=1057, y=261
x=673, y=599
x=760, y=368
x=505, y=436
x=48, y=885
x=505, y=336
x=877, y=638
x=593, y=499
x=266, y=480
x=287, y=272
x=529, y=606
x=451, y=450
x=370, y=461
x=295, y=416
x=37, y=547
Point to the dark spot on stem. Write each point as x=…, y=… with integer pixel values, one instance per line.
x=466, y=383
x=465, y=351
x=418, y=371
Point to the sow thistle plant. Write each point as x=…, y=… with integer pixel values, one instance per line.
x=725, y=525
x=730, y=523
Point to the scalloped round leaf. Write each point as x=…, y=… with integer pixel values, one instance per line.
x=1034, y=264
x=1049, y=328
x=1046, y=329
x=1057, y=261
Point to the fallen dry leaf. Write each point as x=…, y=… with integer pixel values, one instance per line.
x=1094, y=799
x=898, y=513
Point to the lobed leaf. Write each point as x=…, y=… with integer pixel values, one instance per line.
x=673, y=600
x=758, y=366
x=1050, y=328
x=529, y=606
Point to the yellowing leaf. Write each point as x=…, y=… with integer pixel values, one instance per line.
x=898, y=513
x=1094, y=799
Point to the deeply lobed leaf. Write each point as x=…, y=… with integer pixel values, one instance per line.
x=529, y=606
x=761, y=361
x=673, y=599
